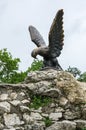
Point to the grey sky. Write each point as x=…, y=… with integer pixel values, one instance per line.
x=17, y=15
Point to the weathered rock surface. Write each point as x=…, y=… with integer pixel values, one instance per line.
x=47, y=100
x=63, y=125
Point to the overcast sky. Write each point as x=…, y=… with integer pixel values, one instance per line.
x=17, y=15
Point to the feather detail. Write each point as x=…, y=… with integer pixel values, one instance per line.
x=56, y=35
x=36, y=37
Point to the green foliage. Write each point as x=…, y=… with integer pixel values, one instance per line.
x=75, y=71
x=82, y=77
x=36, y=65
x=48, y=121
x=9, y=68
x=39, y=101
x=17, y=77
x=83, y=129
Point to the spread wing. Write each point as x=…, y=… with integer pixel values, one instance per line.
x=56, y=35
x=36, y=37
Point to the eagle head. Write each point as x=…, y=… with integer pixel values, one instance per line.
x=34, y=53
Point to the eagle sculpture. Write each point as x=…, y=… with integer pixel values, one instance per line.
x=53, y=50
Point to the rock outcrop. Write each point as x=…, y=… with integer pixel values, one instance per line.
x=47, y=100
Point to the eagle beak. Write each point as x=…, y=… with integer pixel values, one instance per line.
x=34, y=53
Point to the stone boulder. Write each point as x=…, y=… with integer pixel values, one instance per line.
x=46, y=100
x=57, y=84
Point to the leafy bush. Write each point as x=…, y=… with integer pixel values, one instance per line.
x=82, y=77
x=39, y=101
x=47, y=121
x=9, y=68
x=36, y=65
x=17, y=77
x=75, y=71
x=83, y=129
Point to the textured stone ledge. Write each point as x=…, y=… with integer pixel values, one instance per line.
x=67, y=111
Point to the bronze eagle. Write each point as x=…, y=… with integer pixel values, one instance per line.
x=56, y=38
